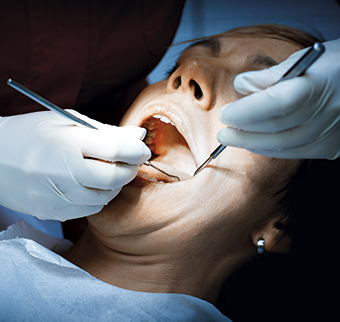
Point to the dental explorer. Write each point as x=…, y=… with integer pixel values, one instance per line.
x=44, y=102
x=296, y=70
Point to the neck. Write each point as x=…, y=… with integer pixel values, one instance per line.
x=149, y=272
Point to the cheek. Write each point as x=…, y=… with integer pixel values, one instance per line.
x=226, y=201
x=237, y=200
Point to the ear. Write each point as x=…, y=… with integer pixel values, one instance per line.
x=275, y=239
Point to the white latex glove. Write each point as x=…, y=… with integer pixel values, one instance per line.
x=297, y=118
x=43, y=171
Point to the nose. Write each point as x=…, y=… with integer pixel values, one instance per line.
x=195, y=78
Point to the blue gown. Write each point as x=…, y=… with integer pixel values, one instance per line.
x=37, y=284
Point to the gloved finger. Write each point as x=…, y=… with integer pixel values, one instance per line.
x=131, y=131
x=255, y=81
x=132, y=152
x=88, y=197
x=69, y=212
x=266, y=141
x=104, y=175
x=280, y=123
x=318, y=149
x=109, y=146
x=274, y=101
x=125, y=131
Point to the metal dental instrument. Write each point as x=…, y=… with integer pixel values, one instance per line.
x=212, y=156
x=44, y=102
x=296, y=70
x=148, y=163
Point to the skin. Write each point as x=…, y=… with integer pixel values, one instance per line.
x=188, y=236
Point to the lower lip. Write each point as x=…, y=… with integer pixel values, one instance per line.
x=141, y=182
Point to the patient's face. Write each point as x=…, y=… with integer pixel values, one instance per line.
x=234, y=193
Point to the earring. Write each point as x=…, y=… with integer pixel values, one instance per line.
x=260, y=246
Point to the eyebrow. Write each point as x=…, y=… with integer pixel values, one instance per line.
x=261, y=60
x=254, y=59
x=212, y=43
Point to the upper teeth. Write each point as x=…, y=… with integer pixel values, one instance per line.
x=163, y=118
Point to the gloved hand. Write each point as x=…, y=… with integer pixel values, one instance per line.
x=45, y=172
x=297, y=118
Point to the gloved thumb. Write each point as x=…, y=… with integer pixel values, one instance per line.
x=255, y=81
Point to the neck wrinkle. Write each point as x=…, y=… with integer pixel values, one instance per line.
x=155, y=273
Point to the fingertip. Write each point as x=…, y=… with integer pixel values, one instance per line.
x=142, y=133
x=133, y=152
x=240, y=82
x=223, y=113
x=234, y=137
x=134, y=131
x=139, y=152
x=146, y=153
x=220, y=137
x=139, y=132
x=249, y=82
x=224, y=136
x=255, y=81
x=232, y=114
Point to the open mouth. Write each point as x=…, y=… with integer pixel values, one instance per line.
x=170, y=151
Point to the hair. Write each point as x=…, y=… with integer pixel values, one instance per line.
x=273, y=31
x=298, y=286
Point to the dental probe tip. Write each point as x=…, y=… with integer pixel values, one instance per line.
x=212, y=156
x=149, y=164
x=203, y=165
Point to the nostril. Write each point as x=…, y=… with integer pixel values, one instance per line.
x=196, y=90
x=177, y=83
